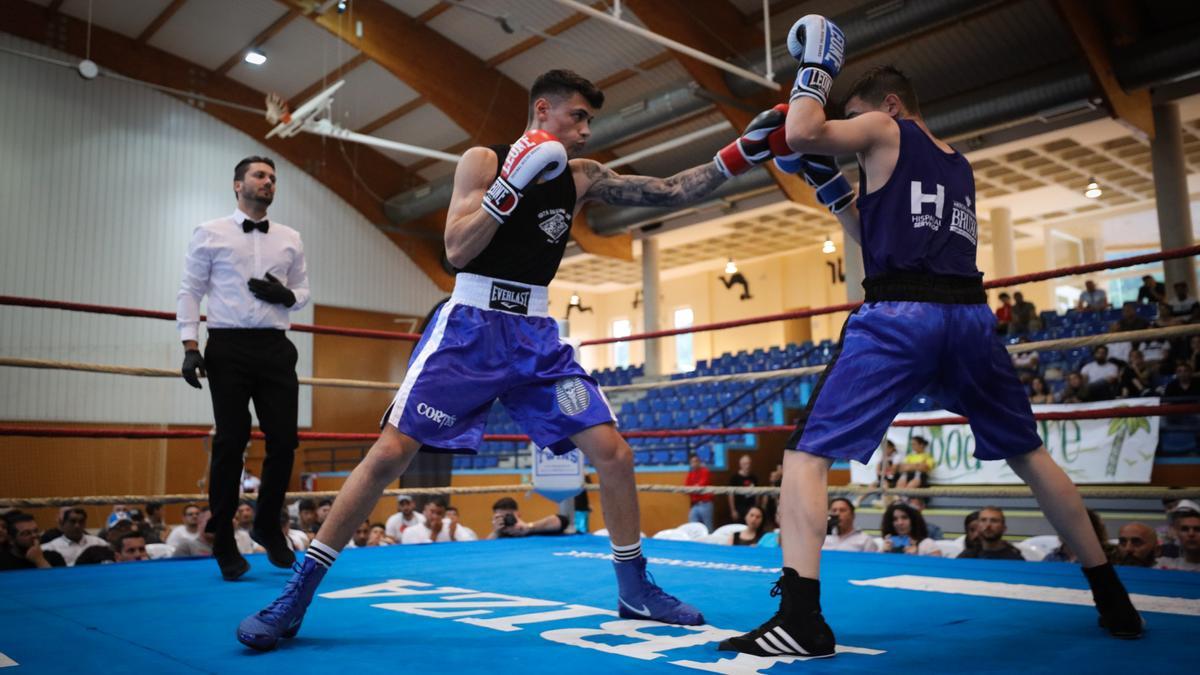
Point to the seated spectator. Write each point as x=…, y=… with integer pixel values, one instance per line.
x=904, y=531
x=435, y=528
x=452, y=516
x=250, y=482
x=405, y=516
x=1135, y=377
x=1039, y=392
x=96, y=555
x=1064, y=553
x=1182, y=388
x=1130, y=320
x=131, y=547
x=971, y=530
x=156, y=528
x=1193, y=357
x=1092, y=299
x=841, y=534
x=1101, y=374
x=1168, y=538
x=379, y=536
x=190, y=529
x=701, y=510
x=1024, y=316
x=917, y=465
x=297, y=538
x=889, y=464
x=74, y=537
x=744, y=477
x=306, y=519
x=1151, y=292
x=1025, y=363
x=1185, y=522
x=506, y=522
x=992, y=546
x=754, y=528
x=1075, y=391
x=189, y=546
x=323, y=509
x=362, y=535
x=1181, y=303
x=24, y=550
x=1137, y=545
x=1004, y=313
x=243, y=518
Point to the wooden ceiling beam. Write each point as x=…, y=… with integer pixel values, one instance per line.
x=535, y=40
x=484, y=102
x=716, y=28
x=392, y=116
x=158, y=22
x=266, y=34
x=312, y=154
x=1133, y=109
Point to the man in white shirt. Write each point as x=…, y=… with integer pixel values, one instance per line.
x=74, y=539
x=253, y=273
x=1186, y=525
x=404, y=518
x=844, y=536
x=1181, y=301
x=1100, y=370
x=436, y=528
x=452, y=516
x=1092, y=299
x=189, y=540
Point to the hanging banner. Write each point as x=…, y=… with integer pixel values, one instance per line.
x=1117, y=450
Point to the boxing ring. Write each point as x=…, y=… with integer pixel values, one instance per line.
x=546, y=604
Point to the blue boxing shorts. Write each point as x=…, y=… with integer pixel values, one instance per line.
x=893, y=350
x=494, y=340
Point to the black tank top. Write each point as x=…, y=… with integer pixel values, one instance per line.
x=529, y=247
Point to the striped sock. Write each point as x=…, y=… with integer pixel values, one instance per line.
x=627, y=553
x=321, y=554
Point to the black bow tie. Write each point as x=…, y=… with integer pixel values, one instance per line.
x=261, y=225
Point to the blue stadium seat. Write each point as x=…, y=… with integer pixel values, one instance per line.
x=641, y=457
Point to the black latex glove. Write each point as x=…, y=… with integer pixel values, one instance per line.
x=192, y=362
x=273, y=291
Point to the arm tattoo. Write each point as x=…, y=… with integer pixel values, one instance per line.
x=683, y=188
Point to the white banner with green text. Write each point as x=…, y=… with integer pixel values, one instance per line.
x=1116, y=450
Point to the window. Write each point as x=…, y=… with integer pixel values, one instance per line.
x=685, y=358
x=621, y=328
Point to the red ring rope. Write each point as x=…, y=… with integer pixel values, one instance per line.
x=1169, y=254
x=83, y=432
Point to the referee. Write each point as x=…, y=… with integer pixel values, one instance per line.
x=252, y=271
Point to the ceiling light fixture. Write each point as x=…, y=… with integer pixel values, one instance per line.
x=255, y=57
x=1093, y=189
x=731, y=267
x=828, y=247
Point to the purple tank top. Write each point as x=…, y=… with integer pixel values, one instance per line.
x=922, y=221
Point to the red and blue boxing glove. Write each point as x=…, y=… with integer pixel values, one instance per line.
x=823, y=174
x=762, y=139
x=536, y=155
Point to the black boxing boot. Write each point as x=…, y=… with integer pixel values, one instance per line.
x=797, y=629
x=1117, y=613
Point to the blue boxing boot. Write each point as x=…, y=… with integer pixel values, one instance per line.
x=282, y=618
x=640, y=598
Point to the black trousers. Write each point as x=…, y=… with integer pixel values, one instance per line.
x=250, y=364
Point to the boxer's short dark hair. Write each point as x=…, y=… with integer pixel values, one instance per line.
x=563, y=83
x=878, y=82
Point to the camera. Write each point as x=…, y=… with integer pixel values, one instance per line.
x=831, y=524
x=509, y=520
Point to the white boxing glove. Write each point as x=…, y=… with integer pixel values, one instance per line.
x=535, y=155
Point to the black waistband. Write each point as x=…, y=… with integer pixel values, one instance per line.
x=917, y=287
x=246, y=332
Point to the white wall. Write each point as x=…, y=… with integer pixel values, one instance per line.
x=101, y=183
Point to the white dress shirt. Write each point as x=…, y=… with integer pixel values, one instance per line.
x=221, y=260
x=419, y=534
x=70, y=550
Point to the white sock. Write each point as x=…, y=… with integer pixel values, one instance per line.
x=627, y=553
x=321, y=554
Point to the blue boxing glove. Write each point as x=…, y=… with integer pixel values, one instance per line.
x=820, y=47
x=823, y=174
